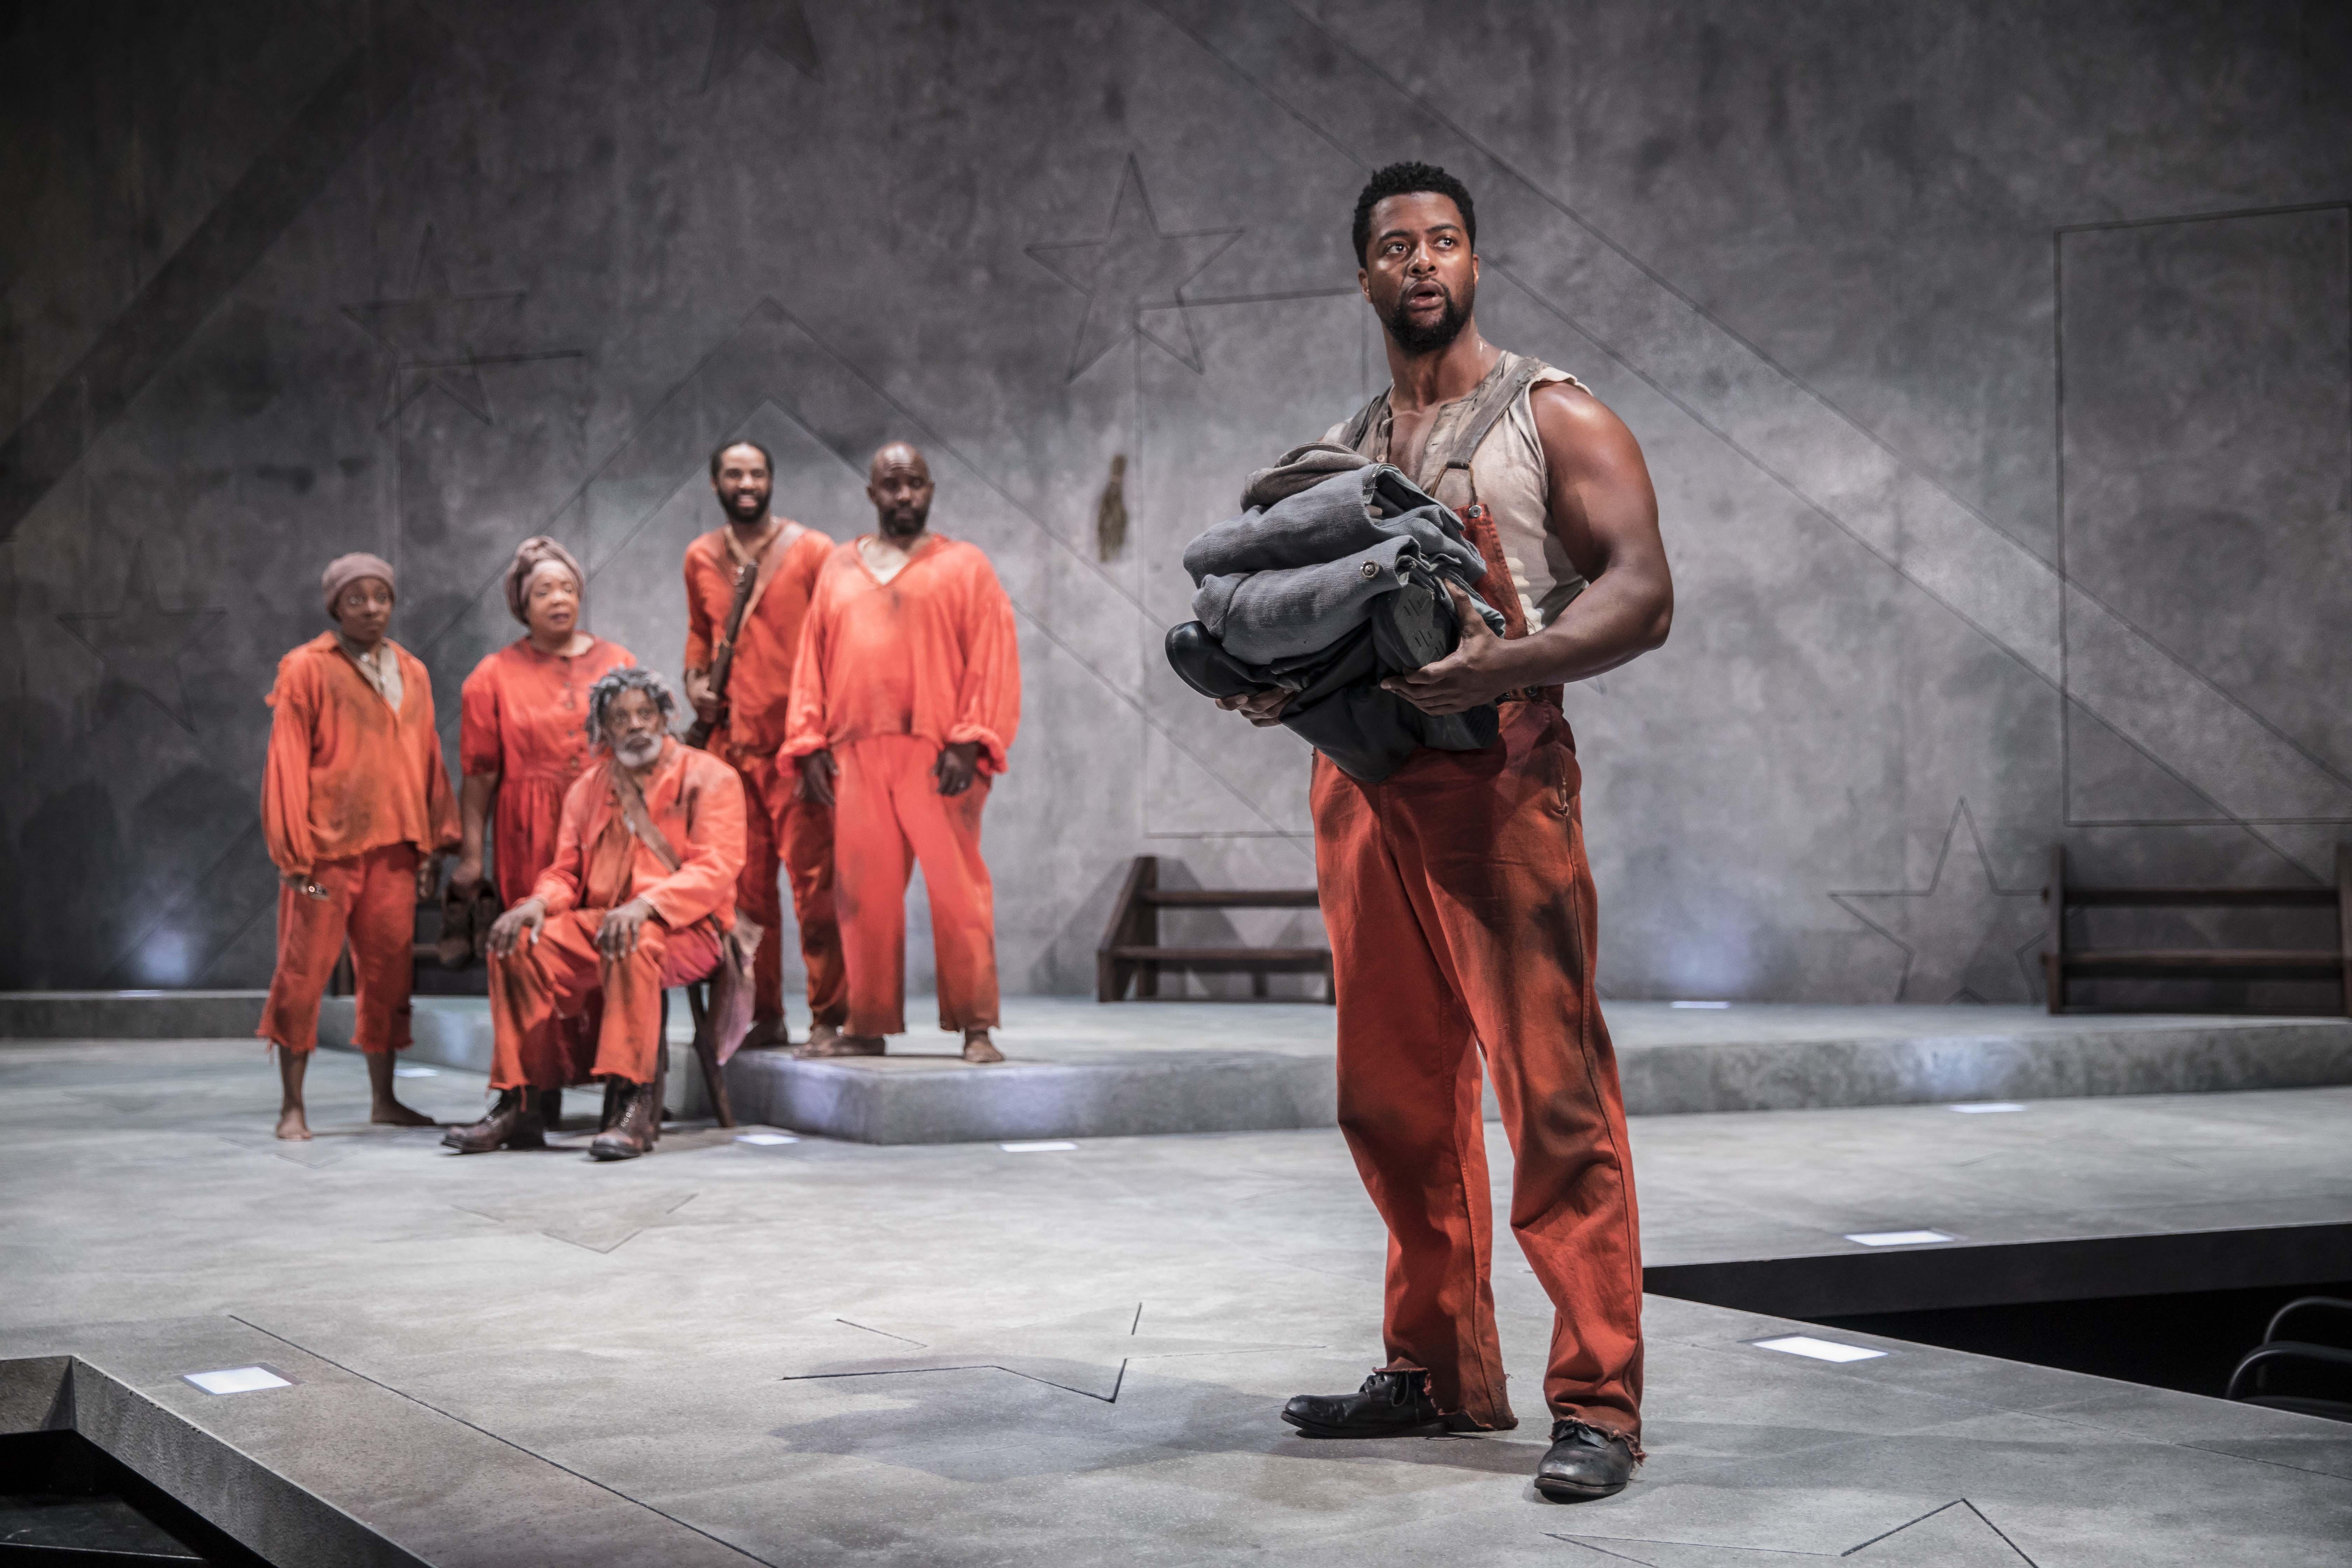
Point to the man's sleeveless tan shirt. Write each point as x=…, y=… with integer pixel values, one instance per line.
x=1510, y=478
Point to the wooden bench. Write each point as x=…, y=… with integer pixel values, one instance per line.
x=2063, y=962
x=1131, y=953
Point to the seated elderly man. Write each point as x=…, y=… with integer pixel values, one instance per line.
x=638, y=899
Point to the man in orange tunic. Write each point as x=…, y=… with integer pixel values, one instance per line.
x=636, y=901
x=1457, y=891
x=904, y=702
x=785, y=558
x=356, y=810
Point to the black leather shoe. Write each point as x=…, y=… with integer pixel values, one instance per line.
x=514, y=1123
x=1390, y=1404
x=1584, y=1462
x=639, y=1125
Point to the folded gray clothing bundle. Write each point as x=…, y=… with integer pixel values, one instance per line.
x=1286, y=581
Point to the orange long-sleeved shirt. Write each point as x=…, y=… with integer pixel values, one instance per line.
x=695, y=799
x=525, y=718
x=932, y=653
x=346, y=774
x=760, y=679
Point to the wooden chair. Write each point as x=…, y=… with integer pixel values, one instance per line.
x=1130, y=952
x=2062, y=963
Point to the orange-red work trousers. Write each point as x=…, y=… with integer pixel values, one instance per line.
x=779, y=825
x=890, y=817
x=563, y=976
x=371, y=901
x=1461, y=914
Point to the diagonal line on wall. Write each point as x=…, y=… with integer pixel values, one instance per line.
x=162, y=318
x=1928, y=537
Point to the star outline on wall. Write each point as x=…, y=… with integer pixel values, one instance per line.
x=140, y=642
x=1136, y=266
x=1922, y=923
x=738, y=26
x=433, y=337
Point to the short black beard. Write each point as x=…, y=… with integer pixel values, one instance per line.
x=1419, y=339
x=734, y=512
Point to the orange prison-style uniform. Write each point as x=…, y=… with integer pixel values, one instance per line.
x=525, y=718
x=696, y=803
x=779, y=824
x=1461, y=912
x=888, y=674
x=352, y=796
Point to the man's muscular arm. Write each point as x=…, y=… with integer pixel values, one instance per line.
x=1605, y=514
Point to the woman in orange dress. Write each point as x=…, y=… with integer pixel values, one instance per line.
x=524, y=736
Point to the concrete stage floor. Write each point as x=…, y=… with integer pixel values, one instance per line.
x=816, y=1351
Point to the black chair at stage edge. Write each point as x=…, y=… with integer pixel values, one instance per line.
x=2064, y=962
x=1132, y=954
x=2249, y=1385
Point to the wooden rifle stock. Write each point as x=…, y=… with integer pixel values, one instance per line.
x=722, y=662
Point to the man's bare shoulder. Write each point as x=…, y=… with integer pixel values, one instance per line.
x=1578, y=430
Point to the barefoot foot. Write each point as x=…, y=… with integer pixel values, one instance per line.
x=291, y=1125
x=978, y=1048
x=768, y=1034
x=392, y=1114
x=842, y=1046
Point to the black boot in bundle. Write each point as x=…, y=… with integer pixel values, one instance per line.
x=514, y=1122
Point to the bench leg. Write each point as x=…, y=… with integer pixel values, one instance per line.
x=705, y=1051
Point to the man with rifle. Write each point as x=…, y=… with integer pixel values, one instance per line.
x=747, y=592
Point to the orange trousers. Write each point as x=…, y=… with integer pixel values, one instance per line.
x=779, y=825
x=562, y=977
x=1461, y=914
x=371, y=902
x=890, y=817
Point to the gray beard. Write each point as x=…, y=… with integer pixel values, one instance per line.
x=639, y=752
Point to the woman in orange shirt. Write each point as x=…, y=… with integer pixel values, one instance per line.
x=524, y=735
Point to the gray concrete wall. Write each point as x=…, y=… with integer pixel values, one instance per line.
x=1999, y=416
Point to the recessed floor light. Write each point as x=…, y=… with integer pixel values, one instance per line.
x=1898, y=1238
x=414, y=1072
x=1711, y=1006
x=1988, y=1107
x=237, y=1380
x=1048, y=1147
x=1816, y=1349
x=765, y=1139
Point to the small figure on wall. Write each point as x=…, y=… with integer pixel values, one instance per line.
x=904, y=702
x=357, y=812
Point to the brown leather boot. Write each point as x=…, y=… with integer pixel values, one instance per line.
x=633, y=1134
x=514, y=1123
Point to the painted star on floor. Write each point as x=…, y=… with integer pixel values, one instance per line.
x=1136, y=266
x=1086, y=1353
x=436, y=337
x=140, y=643
x=780, y=27
x=1965, y=938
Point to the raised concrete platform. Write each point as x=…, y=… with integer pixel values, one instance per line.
x=1080, y=1069
x=819, y=1352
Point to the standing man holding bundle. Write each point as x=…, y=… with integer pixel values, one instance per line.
x=356, y=810
x=1456, y=890
x=903, y=703
x=747, y=594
